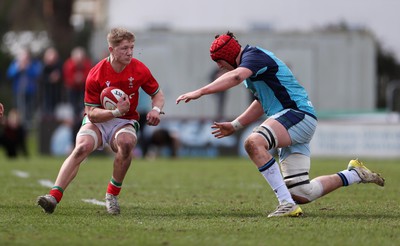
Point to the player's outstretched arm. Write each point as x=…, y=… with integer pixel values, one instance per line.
x=222, y=83
x=222, y=129
x=189, y=96
x=251, y=114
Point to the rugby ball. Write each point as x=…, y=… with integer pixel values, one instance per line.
x=109, y=97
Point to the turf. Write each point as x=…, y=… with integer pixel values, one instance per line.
x=220, y=201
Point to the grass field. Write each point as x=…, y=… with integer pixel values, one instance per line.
x=192, y=202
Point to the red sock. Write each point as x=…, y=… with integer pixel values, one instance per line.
x=57, y=192
x=114, y=187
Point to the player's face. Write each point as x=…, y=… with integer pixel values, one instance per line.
x=123, y=52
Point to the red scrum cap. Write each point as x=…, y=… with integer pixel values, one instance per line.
x=225, y=47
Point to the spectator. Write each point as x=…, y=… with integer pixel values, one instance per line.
x=24, y=73
x=161, y=138
x=75, y=70
x=1, y=110
x=62, y=139
x=51, y=81
x=14, y=135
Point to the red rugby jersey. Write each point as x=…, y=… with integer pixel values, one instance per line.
x=134, y=76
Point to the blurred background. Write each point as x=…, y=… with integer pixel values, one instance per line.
x=345, y=53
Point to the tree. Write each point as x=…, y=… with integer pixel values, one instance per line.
x=388, y=68
x=56, y=15
x=51, y=16
x=388, y=73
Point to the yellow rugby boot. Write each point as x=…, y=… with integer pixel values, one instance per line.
x=366, y=175
x=287, y=209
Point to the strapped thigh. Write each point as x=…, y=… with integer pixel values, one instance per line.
x=295, y=170
x=268, y=134
x=129, y=130
x=89, y=132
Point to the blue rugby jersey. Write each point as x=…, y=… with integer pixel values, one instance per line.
x=273, y=84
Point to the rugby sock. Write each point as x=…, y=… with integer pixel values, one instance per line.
x=114, y=187
x=272, y=174
x=57, y=193
x=349, y=177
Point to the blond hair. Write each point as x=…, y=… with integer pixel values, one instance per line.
x=117, y=35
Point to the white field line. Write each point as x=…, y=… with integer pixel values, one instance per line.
x=94, y=201
x=49, y=184
x=20, y=174
x=46, y=183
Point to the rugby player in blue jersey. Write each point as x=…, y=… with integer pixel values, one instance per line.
x=289, y=127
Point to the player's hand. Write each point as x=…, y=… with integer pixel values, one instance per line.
x=188, y=96
x=153, y=118
x=222, y=129
x=123, y=104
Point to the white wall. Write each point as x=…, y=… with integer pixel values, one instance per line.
x=356, y=140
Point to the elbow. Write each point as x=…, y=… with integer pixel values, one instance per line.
x=159, y=97
x=237, y=79
x=91, y=118
x=240, y=74
x=95, y=118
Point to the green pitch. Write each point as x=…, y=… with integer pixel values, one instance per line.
x=220, y=201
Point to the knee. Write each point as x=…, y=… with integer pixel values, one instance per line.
x=307, y=193
x=299, y=199
x=83, y=149
x=125, y=146
x=252, y=145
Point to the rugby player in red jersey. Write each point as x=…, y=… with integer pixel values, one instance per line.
x=116, y=128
